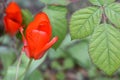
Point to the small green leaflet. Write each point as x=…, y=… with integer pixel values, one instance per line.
x=113, y=13
x=104, y=48
x=57, y=15
x=83, y=22
x=101, y=2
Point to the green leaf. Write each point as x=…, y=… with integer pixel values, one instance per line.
x=56, y=54
x=58, y=20
x=36, y=75
x=11, y=72
x=104, y=48
x=4, y=53
x=58, y=2
x=68, y=63
x=79, y=52
x=113, y=13
x=101, y=2
x=34, y=65
x=83, y=22
x=56, y=65
x=27, y=17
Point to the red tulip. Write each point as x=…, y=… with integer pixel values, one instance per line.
x=13, y=18
x=38, y=35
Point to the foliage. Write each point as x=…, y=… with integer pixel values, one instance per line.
x=57, y=15
x=86, y=37
x=104, y=41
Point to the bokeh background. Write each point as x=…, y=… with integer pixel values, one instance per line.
x=70, y=61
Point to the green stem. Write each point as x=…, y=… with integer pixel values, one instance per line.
x=18, y=65
x=104, y=15
x=24, y=73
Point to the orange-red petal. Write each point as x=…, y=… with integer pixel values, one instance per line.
x=38, y=34
x=41, y=16
x=13, y=18
x=11, y=27
x=16, y=17
x=36, y=40
x=45, y=48
x=12, y=8
x=13, y=11
x=44, y=23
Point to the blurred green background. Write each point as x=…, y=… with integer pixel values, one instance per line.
x=67, y=60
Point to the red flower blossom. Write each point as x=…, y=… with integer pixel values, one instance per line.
x=13, y=18
x=38, y=35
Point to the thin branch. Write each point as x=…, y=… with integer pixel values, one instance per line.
x=18, y=66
